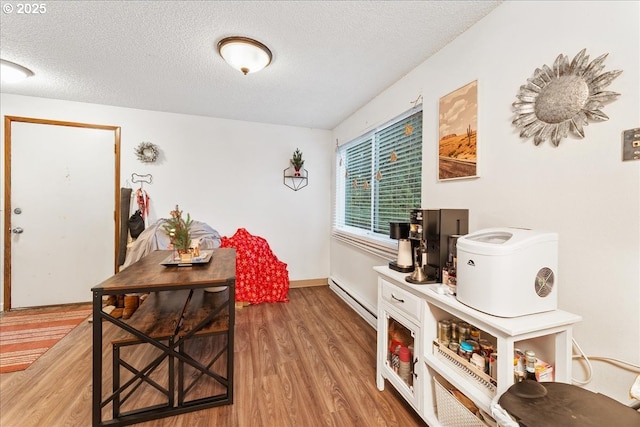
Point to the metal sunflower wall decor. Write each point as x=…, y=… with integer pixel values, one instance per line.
x=147, y=152
x=559, y=100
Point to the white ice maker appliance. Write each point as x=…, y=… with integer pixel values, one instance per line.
x=508, y=272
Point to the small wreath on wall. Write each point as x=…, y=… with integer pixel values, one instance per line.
x=147, y=152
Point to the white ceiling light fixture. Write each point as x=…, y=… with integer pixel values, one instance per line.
x=244, y=54
x=12, y=72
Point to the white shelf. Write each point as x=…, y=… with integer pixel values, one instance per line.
x=512, y=326
x=553, y=329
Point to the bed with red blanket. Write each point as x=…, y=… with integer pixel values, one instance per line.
x=260, y=275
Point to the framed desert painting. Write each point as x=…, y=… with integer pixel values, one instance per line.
x=457, y=133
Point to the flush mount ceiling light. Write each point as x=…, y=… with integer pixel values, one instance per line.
x=244, y=54
x=12, y=72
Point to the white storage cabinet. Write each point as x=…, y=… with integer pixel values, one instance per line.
x=399, y=319
x=548, y=334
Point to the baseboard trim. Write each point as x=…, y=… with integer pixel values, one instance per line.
x=308, y=283
x=292, y=284
x=365, y=312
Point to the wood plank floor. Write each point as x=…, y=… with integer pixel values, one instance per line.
x=310, y=362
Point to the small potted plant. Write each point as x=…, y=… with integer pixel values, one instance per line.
x=179, y=231
x=297, y=161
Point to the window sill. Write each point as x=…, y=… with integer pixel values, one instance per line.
x=382, y=247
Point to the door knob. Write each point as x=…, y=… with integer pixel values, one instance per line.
x=17, y=230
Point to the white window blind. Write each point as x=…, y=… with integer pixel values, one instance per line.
x=378, y=181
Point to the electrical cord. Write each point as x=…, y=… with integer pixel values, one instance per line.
x=581, y=355
x=586, y=358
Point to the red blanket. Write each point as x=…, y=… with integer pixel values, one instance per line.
x=260, y=276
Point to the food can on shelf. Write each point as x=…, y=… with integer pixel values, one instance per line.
x=454, y=331
x=463, y=332
x=444, y=331
x=465, y=350
x=475, y=347
x=454, y=346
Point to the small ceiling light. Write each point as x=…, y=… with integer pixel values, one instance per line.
x=244, y=54
x=11, y=72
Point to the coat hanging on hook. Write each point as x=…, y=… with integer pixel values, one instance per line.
x=142, y=197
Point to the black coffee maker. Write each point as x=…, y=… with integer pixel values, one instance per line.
x=429, y=231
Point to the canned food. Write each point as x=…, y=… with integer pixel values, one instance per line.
x=444, y=331
x=454, y=346
x=465, y=350
x=475, y=347
x=463, y=332
x=454, y=331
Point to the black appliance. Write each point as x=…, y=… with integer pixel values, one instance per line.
x=429, y=230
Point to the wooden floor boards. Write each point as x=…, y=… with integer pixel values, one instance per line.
x=310, y=362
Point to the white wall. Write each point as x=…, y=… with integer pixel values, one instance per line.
x=223, y=172
x=581, y=189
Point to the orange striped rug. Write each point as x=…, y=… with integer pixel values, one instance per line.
x=27, y=335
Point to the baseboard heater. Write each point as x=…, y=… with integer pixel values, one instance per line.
x=361, y=309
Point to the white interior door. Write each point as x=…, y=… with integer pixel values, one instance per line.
x=62, y=212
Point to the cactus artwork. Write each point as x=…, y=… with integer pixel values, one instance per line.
x=458, y=132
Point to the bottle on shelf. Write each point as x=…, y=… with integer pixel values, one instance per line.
x=465, y=350
x=493, y=366
x=451, y=273
x=404, y=370
x=518, y=366
x=445, y=273
x=474, y=334
x=464, y=329
x=530, y=365
x=454, y=330
x=444, y=332
x=486, y=349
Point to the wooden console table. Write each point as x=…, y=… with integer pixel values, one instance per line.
x=177, y=311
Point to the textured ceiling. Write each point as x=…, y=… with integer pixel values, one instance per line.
x=330, y=57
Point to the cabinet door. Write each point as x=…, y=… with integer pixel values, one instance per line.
x=400, y=349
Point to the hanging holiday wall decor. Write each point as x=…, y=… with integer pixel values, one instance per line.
x=147, y=152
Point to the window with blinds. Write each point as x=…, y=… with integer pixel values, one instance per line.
x=378, y=181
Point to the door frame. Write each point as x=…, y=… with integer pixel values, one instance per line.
x=8, y=120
